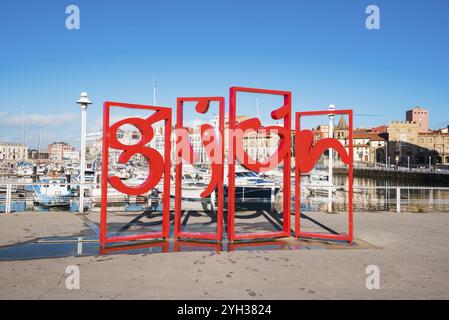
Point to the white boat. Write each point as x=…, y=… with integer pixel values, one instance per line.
x=250, y=178
x=41, y=170
x=24, y=170
x=318, y=179
x=52, y=192
x=114, y=196
x=94, y=190
x=316, y=183
x=191, y=187
x=250, y=188
x=89, y=176
x=120, y=171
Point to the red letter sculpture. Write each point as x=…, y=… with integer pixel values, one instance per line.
x=214, y=147
x=236, y=152
x=158, y=166
x=307, y=156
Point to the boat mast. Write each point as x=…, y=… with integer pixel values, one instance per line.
x=39, y=144
x=23, y=128
x=257, y=135
x=154, y=93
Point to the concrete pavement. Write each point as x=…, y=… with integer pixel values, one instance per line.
x=411, y=251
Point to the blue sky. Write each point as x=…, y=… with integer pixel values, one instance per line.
x=320, y=50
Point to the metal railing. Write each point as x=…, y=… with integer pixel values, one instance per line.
x=19, y=196
x=383, y=167
x=379, y=198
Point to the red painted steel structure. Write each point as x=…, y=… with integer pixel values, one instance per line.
x=163, y=245
x=253, y=245
x=282, y=155
x=307, y=154
x=157, y=165
x=216, y=156
x=180, y=244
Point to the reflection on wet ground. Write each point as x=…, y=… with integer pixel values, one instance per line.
x=85, y=243
x=59, y=247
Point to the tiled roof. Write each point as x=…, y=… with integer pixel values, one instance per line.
x=373, y=136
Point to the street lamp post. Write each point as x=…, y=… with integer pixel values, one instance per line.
x=331, y=157
x=430, y=163
x=408, y=162
x=84, y=102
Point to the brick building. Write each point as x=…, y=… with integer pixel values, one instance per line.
x=62, y=151
x=420, y=116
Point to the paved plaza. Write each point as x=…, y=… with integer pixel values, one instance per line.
x=410, y=250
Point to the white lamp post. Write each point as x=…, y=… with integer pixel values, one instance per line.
x=430, y=163
x=84, y=103
x=331, y=157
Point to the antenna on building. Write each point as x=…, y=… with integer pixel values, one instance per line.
x=154, y=93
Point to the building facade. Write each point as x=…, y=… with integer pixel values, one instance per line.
x=408, y=145
x=369, y=146
x=11, y=151
x=34, y=154
x=433, y=146
x=62, y=151
x=420, y=116
x=403, y=142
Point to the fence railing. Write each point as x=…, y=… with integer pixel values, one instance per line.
x=18, y=197
x=378, y=198
x=383, y=167
x=36, y=196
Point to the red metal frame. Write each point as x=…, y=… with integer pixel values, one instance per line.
x=217, y=166
x=252, y=245
x=164, y=245
x=283, y=154
x=307, y=155
x=178, y=244
x=159, y=166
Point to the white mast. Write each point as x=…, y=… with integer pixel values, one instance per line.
x=23, y=127
x=331, y=157
x=39, y=144
x=257, y=136
x=154, y=93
